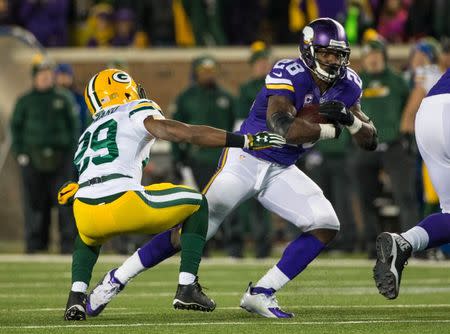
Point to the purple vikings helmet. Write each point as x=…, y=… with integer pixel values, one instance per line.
x=325, y=33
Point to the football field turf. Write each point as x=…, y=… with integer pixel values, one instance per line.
x=331, y=296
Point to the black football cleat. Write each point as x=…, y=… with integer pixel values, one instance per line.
x=393, y=252
x=76, y=306
x=191, y=297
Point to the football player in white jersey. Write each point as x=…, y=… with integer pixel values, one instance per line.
x=109, y=200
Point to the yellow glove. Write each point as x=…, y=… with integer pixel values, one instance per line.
x=67, y=192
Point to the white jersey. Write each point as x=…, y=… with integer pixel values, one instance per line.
x=427, y=76
x=115, y=143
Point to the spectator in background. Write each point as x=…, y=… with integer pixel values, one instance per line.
x=64, y=78
x=243, y=21
x=251, y=213
x=155, y=22
x=392, y=20
x=420, y=17
x=46, y=19
x=384, y=96
x=125, y=31
x=206, y=17
x=99, y=26
x=44, y=130
x=203, y=102
x=357, y=20
x=424, y=71
x=6, y=15
x=441, y=23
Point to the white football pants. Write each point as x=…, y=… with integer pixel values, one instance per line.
x=433, y=139
x=286, y=191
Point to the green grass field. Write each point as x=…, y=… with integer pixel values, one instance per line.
x=331, y=296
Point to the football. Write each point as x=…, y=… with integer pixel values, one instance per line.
x=310, y=113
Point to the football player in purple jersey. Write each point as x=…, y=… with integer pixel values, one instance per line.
x=319, y=76
x=432, y=126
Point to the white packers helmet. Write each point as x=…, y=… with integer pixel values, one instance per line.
x=111, y=87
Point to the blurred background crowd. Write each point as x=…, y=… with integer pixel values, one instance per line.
x=371, y=191
x=149, y=23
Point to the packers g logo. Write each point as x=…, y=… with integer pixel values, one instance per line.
x=121, y=77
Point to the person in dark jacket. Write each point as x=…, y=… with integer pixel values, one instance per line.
x=44, y=129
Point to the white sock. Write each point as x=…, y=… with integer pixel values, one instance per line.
x=274, y=279
x=186, y=278
x=417, y=237
x=79, y=287
x=129, y=269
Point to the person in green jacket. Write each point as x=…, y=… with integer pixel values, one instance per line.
x=251, y=214
x=45, y=129
x=384, y=96
x=203, y=102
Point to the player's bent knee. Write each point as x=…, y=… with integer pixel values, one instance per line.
x=323, y=214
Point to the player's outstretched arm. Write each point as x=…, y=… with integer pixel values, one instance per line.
x=281, y=119
x=207, y=136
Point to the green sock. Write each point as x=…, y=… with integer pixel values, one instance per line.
x=193, y=237
x=83, y=260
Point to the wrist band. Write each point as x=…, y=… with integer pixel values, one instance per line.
x=235, y=140
x=356, y=126
x=327, y=131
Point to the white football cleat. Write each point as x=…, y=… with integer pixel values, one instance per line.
x=103, y=293
x=262, y=301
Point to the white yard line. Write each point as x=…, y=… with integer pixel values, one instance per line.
x=363, y=283
x=129, y=309
x=235, y=323
x=215, y=261
x=309, y=291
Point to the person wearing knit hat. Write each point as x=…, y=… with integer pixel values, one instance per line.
x=44, y=131
x=259, y=50
x=204, y=70
x=64, y=77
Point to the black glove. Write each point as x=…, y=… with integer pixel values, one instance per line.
x=335, y=111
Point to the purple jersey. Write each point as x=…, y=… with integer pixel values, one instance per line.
x=442, y=86
x=291, y=78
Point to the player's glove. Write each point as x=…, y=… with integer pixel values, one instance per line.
x=335, y=111
x=262, y=140
x=67, y=192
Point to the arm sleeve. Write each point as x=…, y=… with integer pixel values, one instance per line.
x=140, y=111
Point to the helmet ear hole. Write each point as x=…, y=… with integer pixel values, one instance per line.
x=128, y=96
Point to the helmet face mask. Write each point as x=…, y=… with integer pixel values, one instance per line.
x=325, y=36
x=111, y=87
